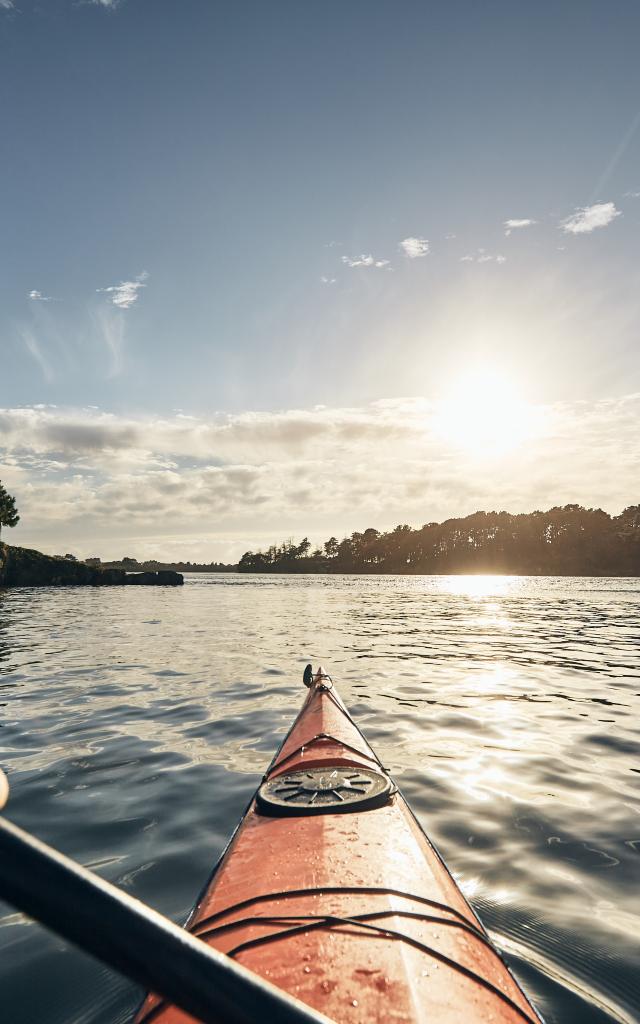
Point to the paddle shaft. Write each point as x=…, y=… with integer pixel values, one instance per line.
x=135, y=940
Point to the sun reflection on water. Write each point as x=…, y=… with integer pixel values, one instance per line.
x=480, y=586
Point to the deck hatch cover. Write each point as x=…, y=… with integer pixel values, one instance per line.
x=326, y=790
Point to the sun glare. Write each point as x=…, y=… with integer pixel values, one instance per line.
x=484, y=415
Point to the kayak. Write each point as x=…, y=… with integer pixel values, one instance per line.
x=330, y=890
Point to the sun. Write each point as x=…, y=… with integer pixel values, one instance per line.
x=484, y=415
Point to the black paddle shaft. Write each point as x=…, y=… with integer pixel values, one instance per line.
x=135, y=940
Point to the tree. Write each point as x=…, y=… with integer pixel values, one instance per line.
x=8, y=511
x=331, y=547
x=303, y=548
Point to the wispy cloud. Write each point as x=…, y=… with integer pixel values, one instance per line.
x=125, y=294
x=364, y=260
x=632, y=195
x=328, y=280
x=39, y=297
x=414, y=248
x=6, y=5
x=35, y=351
x=518, y=222
x=587, y=218
x=482, y=256
x=110, y=330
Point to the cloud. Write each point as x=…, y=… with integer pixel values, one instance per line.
x=35, y=351
x=632, y=195
x=587, y=218
x=39, y=297
x=125, y=294
x=110, y=329
x=97, y=483
x=70, y=433
x=6, y=5
x=482, y=256
x=515, y=223
x=414, y=248
x=328, y=280
x=82, y=436
x=364, y=261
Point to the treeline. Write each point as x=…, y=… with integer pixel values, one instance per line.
x=565, y=541
x=152, y=565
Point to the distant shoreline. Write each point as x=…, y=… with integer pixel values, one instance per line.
x=153, y=565
x=459, y=572
x=563, y=541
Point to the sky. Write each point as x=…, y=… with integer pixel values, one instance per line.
x=272, y=269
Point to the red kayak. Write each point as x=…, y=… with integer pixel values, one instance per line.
x=330, y=890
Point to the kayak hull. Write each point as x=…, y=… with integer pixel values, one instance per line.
x=353, y=913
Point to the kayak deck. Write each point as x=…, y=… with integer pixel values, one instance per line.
x=348, y=908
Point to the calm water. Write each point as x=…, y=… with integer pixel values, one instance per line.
x=135, y=724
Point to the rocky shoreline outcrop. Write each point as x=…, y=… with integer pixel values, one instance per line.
x=23, y=567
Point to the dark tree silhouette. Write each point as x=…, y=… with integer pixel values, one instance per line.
x=8, y=511
x=331, y=547
x=564, y=541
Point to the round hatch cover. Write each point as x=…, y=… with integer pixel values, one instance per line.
x=324, y=791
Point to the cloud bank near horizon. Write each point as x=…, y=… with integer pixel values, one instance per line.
x=180, y=486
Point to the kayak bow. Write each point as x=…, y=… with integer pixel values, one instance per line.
x=330, y=890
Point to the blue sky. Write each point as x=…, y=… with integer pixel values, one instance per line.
x=237, y=212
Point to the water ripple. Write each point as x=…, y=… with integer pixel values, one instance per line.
x=136, y=724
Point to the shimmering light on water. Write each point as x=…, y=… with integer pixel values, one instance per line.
x=136, y=724
x=477, y=586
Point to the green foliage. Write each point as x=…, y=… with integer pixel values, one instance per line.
x=8, y=511
x=564, y=541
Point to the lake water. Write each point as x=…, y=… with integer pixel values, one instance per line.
x=135, y=724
